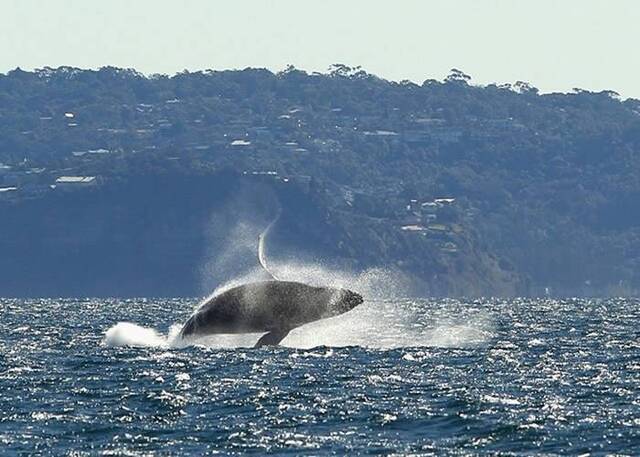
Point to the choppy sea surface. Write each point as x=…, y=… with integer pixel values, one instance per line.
x=404, y=376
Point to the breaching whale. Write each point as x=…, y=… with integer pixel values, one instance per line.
x=273, y=306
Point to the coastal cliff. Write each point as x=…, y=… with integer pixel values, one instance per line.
x=115, y=183
x=167, y=236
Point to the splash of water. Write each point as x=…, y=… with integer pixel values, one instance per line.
x=395, y=323
x=128, y=334
x=384, y=321
x=133, y=335
x=232, y=235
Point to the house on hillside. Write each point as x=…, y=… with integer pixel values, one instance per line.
x=414, y=228
x=240, y=143
x=75, y=182
x=439, y=228
x=429, y=207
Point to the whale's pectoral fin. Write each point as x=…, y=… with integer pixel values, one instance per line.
x=272, y=338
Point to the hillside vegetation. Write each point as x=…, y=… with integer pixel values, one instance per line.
x=470, y=190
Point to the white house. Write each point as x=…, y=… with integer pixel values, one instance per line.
x=75, y=182
x=240, y=143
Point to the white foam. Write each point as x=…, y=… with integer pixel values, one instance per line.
x=392, y=324
x=456, y=336
x=377, y=325
x=128, y=334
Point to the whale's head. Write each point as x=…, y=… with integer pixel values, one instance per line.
x=346, y=301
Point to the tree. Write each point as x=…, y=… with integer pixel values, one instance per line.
x=457, y=76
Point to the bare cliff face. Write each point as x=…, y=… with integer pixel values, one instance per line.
x=183, y=235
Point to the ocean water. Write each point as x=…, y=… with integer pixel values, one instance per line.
x=404, y=376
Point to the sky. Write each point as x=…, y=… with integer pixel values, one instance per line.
x=556, y=45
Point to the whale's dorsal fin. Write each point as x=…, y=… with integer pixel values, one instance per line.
x=261, y=247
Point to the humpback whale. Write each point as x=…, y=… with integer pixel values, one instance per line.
x=274, y=306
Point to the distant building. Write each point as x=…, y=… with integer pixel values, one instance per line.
x=36, y=170
x=381, y=133
x=413, y=228
x=264, y=173
x=429, y=121
x=98, y=151
x=438, y=228
x=413, y=205
x=75, y=182
x=445, y=201
x=429, y=207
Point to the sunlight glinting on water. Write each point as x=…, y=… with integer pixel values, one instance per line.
x=418, y=375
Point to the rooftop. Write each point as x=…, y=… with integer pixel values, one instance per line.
x=75, y=179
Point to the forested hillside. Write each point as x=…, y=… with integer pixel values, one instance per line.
x=469, y=190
